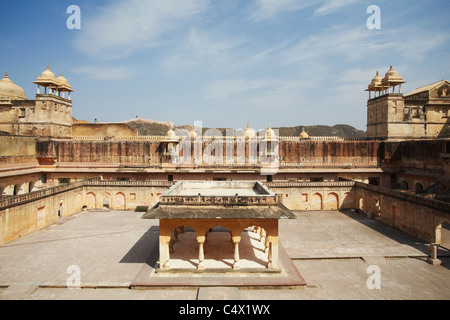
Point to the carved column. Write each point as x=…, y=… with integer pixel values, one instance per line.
x=201, y=254
x=434, y=251
x=272, y=239
x=236, y=241
x=165, y=236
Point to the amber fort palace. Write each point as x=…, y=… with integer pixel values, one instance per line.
x=54, y=166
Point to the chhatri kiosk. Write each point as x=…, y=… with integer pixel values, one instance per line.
x=203, y=205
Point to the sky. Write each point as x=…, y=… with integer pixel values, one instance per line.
x=226, y=63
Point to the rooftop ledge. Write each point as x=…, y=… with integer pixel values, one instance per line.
x=225, y=193
x=219, y=200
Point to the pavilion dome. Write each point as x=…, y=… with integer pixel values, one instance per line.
x=392, y=74
x=304, y=135
x=10, y=90
x=376, y=81
x=193, y=134
x=270, y=134
x=63, y=82
x=47, y=75
x=249, y=133
x=171, y=136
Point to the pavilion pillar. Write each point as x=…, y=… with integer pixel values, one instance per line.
x=164, y=252
x=272, y=238
x=434, y=254
x=236, y=241
x=273, y=254
x=165, y=237
x=201, y=253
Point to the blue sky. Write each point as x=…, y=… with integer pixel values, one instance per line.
x=225, y=63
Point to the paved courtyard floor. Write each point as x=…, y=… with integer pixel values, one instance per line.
x=338, y=255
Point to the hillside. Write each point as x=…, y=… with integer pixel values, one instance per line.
x=148, y=127
x=339, y=130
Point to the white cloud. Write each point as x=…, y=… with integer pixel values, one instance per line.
x=126, y=26
x=266, y=9
x=210, y=50
x=105, y=73
x=330, y=6
x=360, y=44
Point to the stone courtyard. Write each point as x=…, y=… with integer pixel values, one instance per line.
x=331, y=250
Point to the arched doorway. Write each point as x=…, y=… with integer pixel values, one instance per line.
x=361, y=204
x=90, y=201
x=106, y=200
x=120, y=201
x=332, y=201
x=377, y=208
x=316, y=203
x=61, y=209
x=348, y=201
x=445, y=235
x=78, y=202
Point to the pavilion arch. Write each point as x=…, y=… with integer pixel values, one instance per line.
x=31, y=186
x=316, y=202
x=120, y=202
x=332, y=201
x=91, y=200
x=201, y=228
x=8, y=190
x=18, y=189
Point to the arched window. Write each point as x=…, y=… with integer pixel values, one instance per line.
x=418, y=187
x=404, y=185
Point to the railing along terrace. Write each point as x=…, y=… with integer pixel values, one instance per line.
x=39, y=194
x=218, y=200
x=257, y=138
x=431, y=203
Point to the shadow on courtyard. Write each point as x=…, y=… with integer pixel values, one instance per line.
x=399, y=236
x=145, y=250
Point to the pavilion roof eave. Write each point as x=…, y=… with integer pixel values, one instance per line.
x=278, y=211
